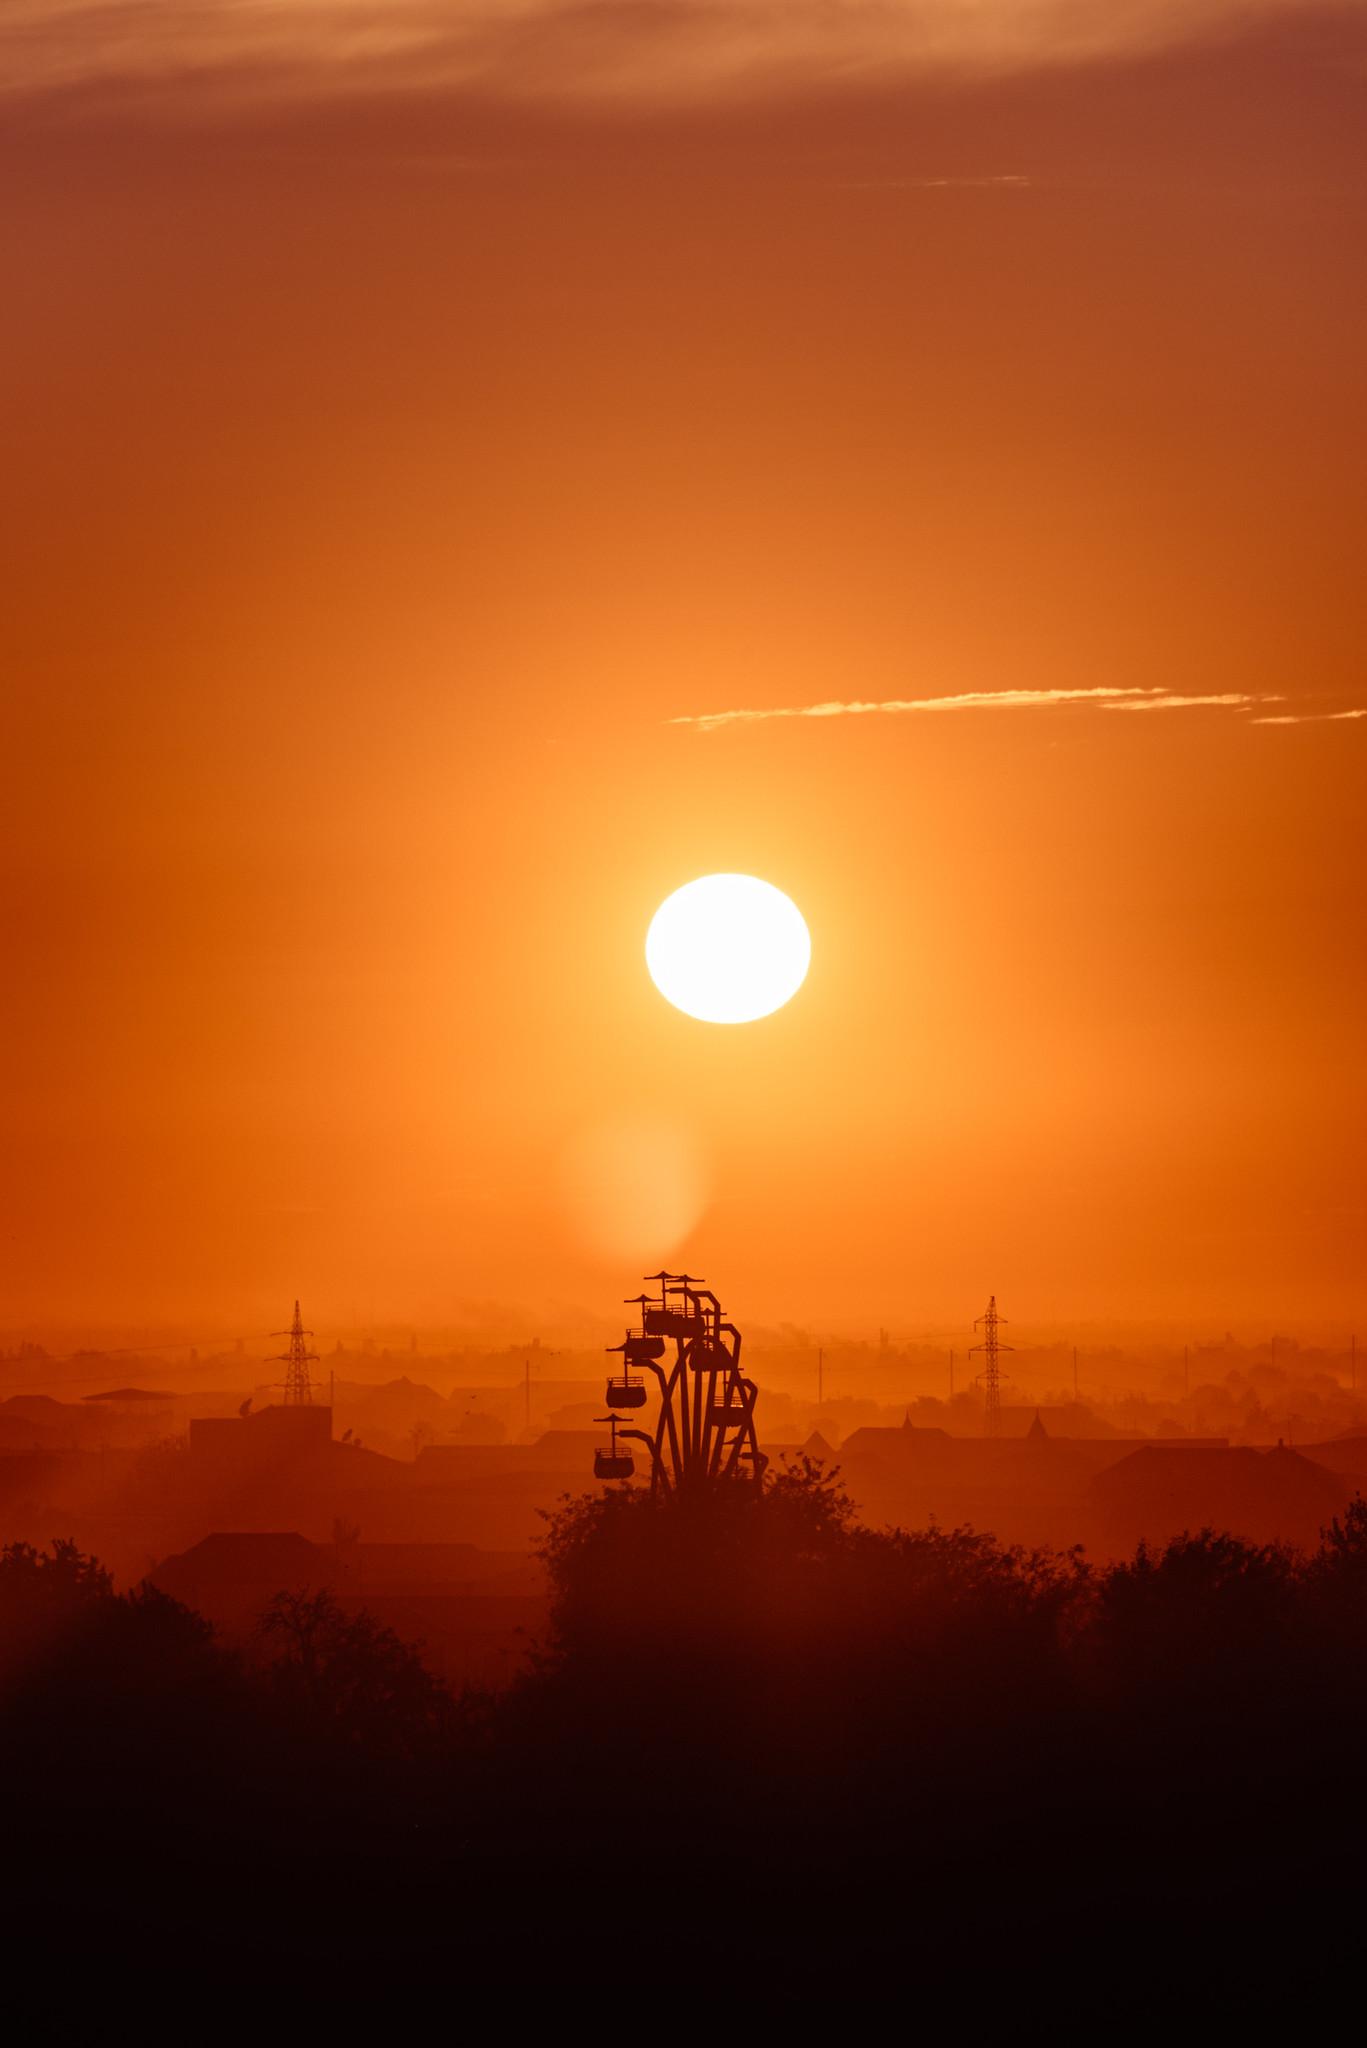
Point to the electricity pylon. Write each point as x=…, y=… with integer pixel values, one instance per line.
x=990, y=1375
x=296, y=1361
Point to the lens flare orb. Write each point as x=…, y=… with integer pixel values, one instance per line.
x=727, y=949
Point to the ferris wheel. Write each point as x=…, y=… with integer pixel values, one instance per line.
x=705, y=1428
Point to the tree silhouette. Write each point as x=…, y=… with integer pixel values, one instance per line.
x=743, y=1697
x=346, y=1677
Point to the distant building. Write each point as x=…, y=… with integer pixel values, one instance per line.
x=1068, y=1419
x=1263, y=1496
x=817, y=1448
x=897, y=1442
x=269, y=1437
x=555, y=1450
x=230, y=1578
x=475, y=1613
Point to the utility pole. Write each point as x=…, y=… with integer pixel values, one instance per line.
x=820, y=1377
x=527, y=1389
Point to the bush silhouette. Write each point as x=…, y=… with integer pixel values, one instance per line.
x=343, y=1677
x=741, y=1697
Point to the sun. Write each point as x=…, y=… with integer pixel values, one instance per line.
x=728, y=949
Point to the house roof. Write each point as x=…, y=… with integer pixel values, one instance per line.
x=253, y=1549
x=816, y=1446
x=904, y=1437
x=129, y=1394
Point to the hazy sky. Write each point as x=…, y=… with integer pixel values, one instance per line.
x=667, y=51
x=427, y=428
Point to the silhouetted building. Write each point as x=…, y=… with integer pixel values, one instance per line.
x=1067, y=1419
x=269, y=1436
x=1263, y=1496
x=475, y=1612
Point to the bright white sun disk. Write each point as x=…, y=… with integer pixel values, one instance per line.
x=728, y=948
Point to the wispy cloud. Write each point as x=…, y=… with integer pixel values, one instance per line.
x=565, y=49
x=1309, y=717
x=1165, y=700
x=996, y=181
x=1103, y=697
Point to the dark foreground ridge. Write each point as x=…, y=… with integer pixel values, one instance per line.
x=820, y=1758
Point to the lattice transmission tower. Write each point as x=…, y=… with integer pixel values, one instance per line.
x=991, y=1374
x=296, y=1361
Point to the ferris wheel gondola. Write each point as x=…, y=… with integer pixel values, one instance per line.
x=612, y=1462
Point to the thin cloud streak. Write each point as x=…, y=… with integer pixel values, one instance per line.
x=1230, y=700
x=1310, y=717
x=1103, y=697
x=1002, y=181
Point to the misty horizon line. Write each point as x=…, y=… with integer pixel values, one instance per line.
x=549, y=1340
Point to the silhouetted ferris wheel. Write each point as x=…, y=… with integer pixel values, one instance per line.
x=705, y=1428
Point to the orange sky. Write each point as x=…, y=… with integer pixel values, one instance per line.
x=396, y=446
